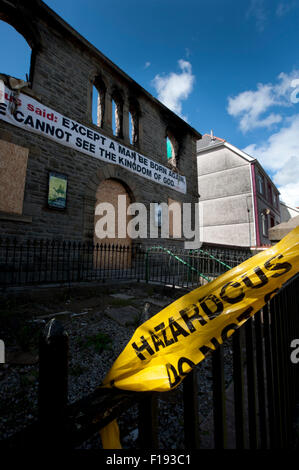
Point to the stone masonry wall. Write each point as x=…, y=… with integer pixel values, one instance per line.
x=64, y=68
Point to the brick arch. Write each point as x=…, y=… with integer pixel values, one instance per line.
x=108, y=192
x=18, y=17
x=108, y=172
x=119, y=254
x=113, y=172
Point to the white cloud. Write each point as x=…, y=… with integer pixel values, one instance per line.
x=280, y=155
x=147, y=65
x=289, y=173
x=174, y=88
x=289, y=194
x=283, y=8
x=250, y=106
x=187, y=52
x=257, y=11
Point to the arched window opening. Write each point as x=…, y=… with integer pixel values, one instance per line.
x=117, y=115
x=134, y=122
x=171, y=149
x=15, y=60
x=131, y=128
x=114, y=125
x=95, y=99
x=134, y=115
x=170, y=153
x=98, y=103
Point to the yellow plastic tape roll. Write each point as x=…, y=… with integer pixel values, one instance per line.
x=167, y=346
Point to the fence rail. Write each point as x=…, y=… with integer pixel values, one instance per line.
x=50, y=261
x=265, y=383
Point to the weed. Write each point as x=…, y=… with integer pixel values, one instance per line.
x=120, y=302
x=99, y=342
x=150, y=290
x=27, y=337
x=137, y=320
x=27, y=380
x=77, y=370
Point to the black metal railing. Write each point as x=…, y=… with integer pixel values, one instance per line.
x=263, y=380
x=35, y=261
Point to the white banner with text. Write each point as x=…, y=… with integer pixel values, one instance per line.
x=35, y=117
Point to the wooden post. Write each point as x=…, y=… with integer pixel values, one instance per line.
x=53, y=385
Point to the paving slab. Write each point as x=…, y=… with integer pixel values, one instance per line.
x=159, y=302
x=21, y=358
x=122, y=296
x=124, y=316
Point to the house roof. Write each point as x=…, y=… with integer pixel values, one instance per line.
x=279, y=231
x=207, y=142
x=293, y=208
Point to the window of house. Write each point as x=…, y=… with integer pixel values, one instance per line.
x=158, y=215
x=265, y=225
x=269, y=193
x=260, y=180
x=275, y=199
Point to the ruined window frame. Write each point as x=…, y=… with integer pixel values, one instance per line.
x=101, y=89
x=20, y=21
x=117, y=98
x=173, y=160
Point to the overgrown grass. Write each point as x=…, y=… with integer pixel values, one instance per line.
x=120, y=302
x=77, y=370
x=99, y=342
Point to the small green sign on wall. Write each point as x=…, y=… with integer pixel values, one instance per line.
x=57, y=190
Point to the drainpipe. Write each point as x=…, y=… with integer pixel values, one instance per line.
x=255, y=208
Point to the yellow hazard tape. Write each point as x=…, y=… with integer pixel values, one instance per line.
x=167, y=346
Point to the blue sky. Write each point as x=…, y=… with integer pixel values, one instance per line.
x=227, y=65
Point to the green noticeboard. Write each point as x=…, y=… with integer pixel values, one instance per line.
x=57, y=190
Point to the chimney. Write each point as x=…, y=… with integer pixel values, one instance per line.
x=212, y=135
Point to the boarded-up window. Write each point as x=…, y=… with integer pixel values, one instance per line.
x=13, y=166
x=175, y=218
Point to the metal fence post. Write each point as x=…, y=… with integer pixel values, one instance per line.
x=146, y=267
x=53, y=385
x=191, y=422
x=238, y=364
x=219, y=405
x=148, y=421
x=251, y=385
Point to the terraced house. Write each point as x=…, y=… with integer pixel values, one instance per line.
x=238, y=202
